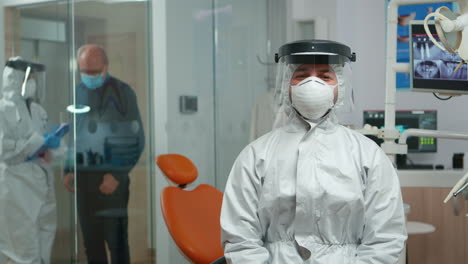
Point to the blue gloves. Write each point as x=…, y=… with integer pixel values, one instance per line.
x=52, y=141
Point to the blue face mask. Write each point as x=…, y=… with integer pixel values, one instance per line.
x=92, y=82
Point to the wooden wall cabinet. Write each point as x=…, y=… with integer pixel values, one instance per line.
x=448, y=243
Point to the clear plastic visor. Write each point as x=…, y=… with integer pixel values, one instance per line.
x=333, y=69
x=38, y=78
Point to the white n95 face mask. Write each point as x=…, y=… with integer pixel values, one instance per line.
x=312, y=97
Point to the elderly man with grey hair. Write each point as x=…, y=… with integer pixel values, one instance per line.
x=109, y=142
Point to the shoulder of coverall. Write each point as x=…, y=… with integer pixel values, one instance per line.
x=263, y=143
x=6, y=104
x=366, y=145
x=9, y=114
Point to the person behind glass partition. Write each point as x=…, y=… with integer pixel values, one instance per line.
x=27, y=194
x=109, y=142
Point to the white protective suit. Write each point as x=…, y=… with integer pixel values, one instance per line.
x=316, y=193
x=27, y=198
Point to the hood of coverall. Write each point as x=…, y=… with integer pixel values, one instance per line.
x=19, y=76
x=292, y=55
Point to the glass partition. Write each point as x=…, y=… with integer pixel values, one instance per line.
x=247, y=35
x=38, y=33
x=111, y=140
x=240, y=76
x=105, y=157
x=220, y=56
x=221, y=53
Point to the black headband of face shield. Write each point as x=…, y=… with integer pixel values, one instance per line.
x=22, y=65
x=315, y=59
x=315, y=52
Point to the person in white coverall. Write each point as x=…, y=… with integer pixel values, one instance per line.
x=313, y=191
x=27, y=200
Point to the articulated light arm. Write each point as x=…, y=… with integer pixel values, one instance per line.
x=430, y=133
x=392, y=67
x=462, y=183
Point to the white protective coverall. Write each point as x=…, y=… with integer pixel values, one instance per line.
x=27, y=197
x=302, y=195
x=316, y=193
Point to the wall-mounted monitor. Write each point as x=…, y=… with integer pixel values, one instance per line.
x=422, y=119
x=433, y=70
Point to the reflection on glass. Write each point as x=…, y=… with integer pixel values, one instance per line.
x=50, y=32
x=112, y=79
x=241, y=79
x=110, y=140
x=78, y=109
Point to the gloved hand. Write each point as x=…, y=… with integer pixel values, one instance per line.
x=51, y=141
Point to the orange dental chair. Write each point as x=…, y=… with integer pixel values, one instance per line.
x=191, y=216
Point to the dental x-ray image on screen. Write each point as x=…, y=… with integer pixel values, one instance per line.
x=434, y=70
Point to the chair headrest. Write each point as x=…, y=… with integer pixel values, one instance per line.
x=178, y=168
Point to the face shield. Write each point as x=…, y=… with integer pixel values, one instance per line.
x=32, y=82
x=326, y=63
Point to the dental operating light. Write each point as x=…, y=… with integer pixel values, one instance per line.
x=452, y=30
